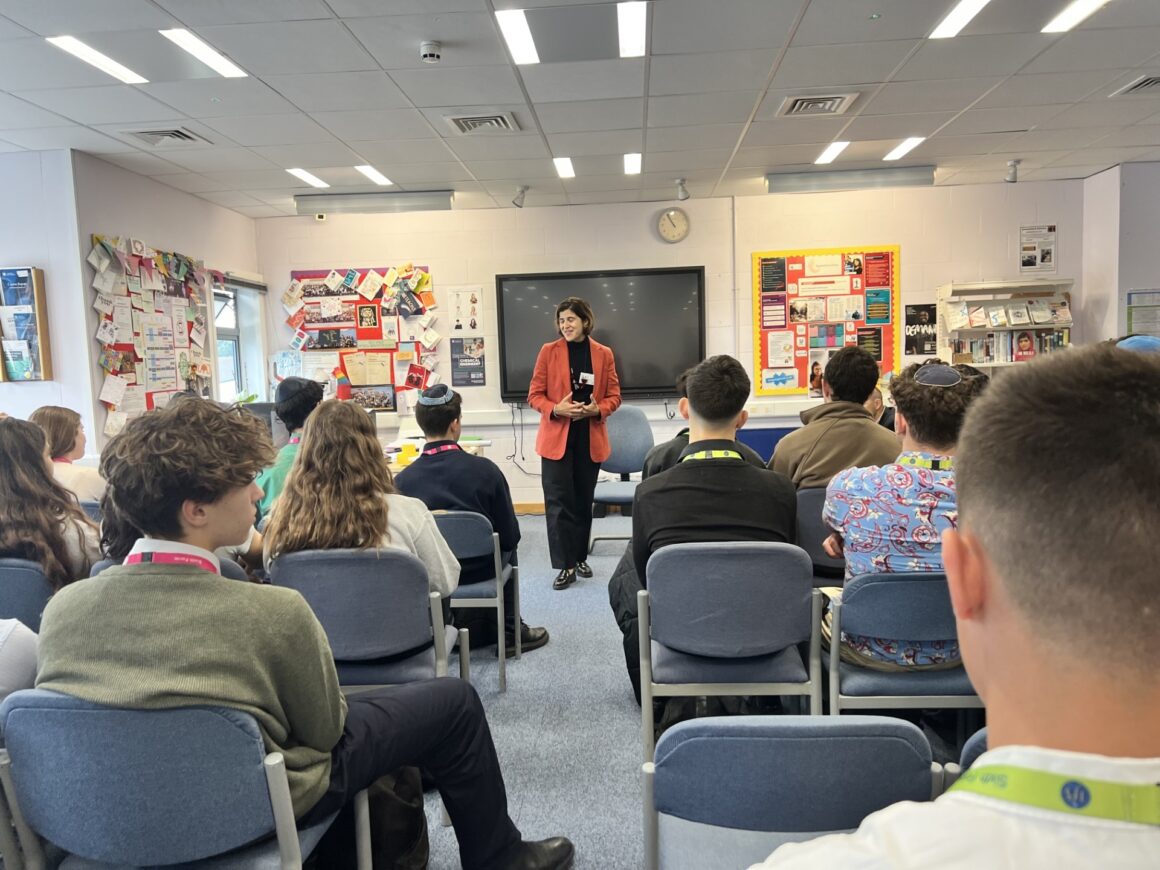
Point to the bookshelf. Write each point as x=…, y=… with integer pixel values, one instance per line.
x=994, y=324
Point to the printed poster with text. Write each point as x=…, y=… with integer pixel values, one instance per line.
x=810, y=303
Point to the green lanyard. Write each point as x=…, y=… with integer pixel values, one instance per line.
x=1092, y=798
x=713, y=454
x=942, y=463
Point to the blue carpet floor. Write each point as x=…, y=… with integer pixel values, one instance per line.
x=568, y=730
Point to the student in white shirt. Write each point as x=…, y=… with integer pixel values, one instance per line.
x=1053, y=576
x=66, y=444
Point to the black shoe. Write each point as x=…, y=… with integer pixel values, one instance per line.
x=530, y=639
x=583, y=569
x=564, y=579
x=554, y=854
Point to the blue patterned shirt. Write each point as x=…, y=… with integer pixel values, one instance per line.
x=891, y=518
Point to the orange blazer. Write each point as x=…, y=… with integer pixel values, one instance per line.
x=552, y=381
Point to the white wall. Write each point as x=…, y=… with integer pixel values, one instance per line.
x=1139, y=255
x=1098, y=317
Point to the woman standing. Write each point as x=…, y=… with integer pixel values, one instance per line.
x=66, y=443
x=575, y=388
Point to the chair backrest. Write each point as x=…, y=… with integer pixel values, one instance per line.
x=372, y=603
x=904, y=606
x=24, y=591
x=136, y=787
x=231, y=570
x=631, y=438
x=732, y=599
x=92, y=509
x=975, y=746
x=790, y=777
x=811, y=531
x=468, y=534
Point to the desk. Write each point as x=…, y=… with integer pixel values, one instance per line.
x=392, y=449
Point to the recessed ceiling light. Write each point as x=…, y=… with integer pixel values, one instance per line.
x=101, y=61
x=374, y=175
x=905, y=147
x=630, y=18
x=632, y=164
x=831, y=152
x=204, y=52
x=514, y=26
x=312, y=180
x=1073, y=14
x=564, y=167
x=958, y=18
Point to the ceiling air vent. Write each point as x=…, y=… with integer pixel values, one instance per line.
x=812, y=107
x=1147, y=84
x=497, y=122
x=162, y=138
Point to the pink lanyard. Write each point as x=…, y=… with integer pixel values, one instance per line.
x=441, y=449
x=171, y=559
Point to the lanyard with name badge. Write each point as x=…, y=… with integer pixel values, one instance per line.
x=443, y=448
x=944, y=463
x=713, y=454
x=158, y=558
x=1091, y=798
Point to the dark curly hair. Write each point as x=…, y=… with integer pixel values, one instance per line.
x=934, y=414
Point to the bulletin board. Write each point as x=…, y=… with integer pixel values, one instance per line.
x=372, y=329
x=810, y=303
x=24, y=326
x=153, y=326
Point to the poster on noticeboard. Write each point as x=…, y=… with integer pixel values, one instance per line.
x=809, y=303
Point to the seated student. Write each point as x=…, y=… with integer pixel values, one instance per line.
x=184, y=475
x=840, y=433
x=668, y=454
x=882, y=414
x=294, y=399
x=17, y=657
x=339, y=494
x=66, y=443
x=444, y=477
x=40, y=520
x=888, y=518
x=1053, y=579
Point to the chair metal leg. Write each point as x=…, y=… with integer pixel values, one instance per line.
x=646, y=696
x=29, y=842
x=501, y=635
x=284, y=827
x=651, y=831
x=362, y=830
x=835, y=656
x=815, y=664
x=464, y=655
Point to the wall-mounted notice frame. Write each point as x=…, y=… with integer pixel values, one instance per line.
x=810, y=303
x=24, y=326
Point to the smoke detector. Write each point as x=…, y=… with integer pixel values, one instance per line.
x=430, y=52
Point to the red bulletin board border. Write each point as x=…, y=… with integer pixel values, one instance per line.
x=794, y=332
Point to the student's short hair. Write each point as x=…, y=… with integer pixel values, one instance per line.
x=852, y=374
x=60, y=425
x=437, y=419
x=581, y=309
x=1057, y=474
x=934, y=414
x=683, y=383
x=294, y=399
x=718, y=389
x=191, y=449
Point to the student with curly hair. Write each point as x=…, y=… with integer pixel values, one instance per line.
x=339, y=494
x=66, y=444
x=40, y=520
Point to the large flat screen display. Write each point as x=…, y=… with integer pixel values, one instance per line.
x=653, y=319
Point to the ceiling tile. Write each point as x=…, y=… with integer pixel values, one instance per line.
x=895, y=126
x=1102, y=155
x=932, y=95
x=588, y=183
x=1109, y=113
x=1098, y=49
x=775, y=155
x=603, y=197
x=257, y=179
x=490, y=170
x=218, y=97
x=1060, y=173
x=374, y=125
x=576, y=117
x=541, y=187
x=966, y=56
x=469, y=39
x=367, y=8
x=54, y=17
x=290, y=47
x=190, y=182
x=196, y=13
x=828, y=22
x=11, y=30
x=1127, y=13
x=942, y=146
x=9, y=148
x=1025, y=16
x=584, y=80
x=291, y=129
x=335, y=92
x=692, y=138
x=603, y=142
x=259, y=211
x=1054, y=140
x=465, y=86
x=108, y=104
x=218, y=159
x=794, y=131
x=150, y=56
x=1011, y=120
x=52, y=138
x=229, y=198
x=679, y=162
x=142, y=163
x=34, y=63
x=709, y=72
x=498, y=147
x=309, y=155
x=429, y=173
x=1034, y=90
x=816, y=65
x=15, y=113
x=724, y=25
x=727, y=107
x=1131, y=137
x=392, y=151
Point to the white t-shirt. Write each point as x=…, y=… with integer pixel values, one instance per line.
x=411, y=527
x=965, y=831
x=17, y=657
x=86, y=482
x=83, y=546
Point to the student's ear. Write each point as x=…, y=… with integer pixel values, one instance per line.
x=683, y=407
x=966, y=570
x=741, y=420
x=899, y=424
x=193, y=514
x=827, y=393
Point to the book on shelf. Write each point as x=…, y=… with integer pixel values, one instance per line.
x=957, y=316
x=1017, y=314
x=977, y=316
x=1039, y=311
x=997, y=315
x=1060, y=312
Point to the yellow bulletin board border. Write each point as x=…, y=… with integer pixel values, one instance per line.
x=894, y=327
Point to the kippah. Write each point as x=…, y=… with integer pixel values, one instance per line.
x=937, y=375
x=1145, y=343
x=289, y=388
x=440, y=394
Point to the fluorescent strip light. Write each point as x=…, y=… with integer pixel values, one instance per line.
x=905, y=147
x=632, y=164
x=958, y=18
x=850, y=179
x=514, y=26
x=378, y=202
x=564, y=167
x=312, y=180
x=1072, y=15
x=204, y=52
x=101, y=61
x=630, y=19
x=374, y=175
x=831, y=153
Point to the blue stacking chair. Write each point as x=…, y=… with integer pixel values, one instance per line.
x=192, y=786
x=727, y=791
x=231, y=570
x=631, y=438
x=811, y=532
x=975, y=746
x=384, y=624
x=726, y=619
x=24, y=591
x=93, y=510
x=904, y=606
x=470, y=536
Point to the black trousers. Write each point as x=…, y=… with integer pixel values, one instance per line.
x=439, y=726
x=569, y=483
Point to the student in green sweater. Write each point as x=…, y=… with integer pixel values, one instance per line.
x=294, y=399
x=165, y=630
